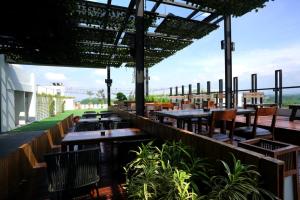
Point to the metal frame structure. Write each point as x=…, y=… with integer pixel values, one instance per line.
x=103, y=35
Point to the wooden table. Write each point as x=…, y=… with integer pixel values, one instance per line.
x=89, y=115
x=88, y=120
x=187, y=115
x=107, y=121
x=94, y=137
x=260, y=105
x=294, y=108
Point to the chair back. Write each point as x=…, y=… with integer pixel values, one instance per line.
x=189, y=106
x=227, y=117
x=208, y=104
x=87, y=126
x=253, y=96
x=265, y=111
x=122, y=124
x=72, y=170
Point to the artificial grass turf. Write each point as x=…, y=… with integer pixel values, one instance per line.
x=50, y=121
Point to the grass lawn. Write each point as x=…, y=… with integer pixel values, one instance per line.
x=50, y=121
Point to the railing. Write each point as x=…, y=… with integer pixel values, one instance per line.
x=276, y=98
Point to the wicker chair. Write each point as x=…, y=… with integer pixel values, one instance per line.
x=72, y=174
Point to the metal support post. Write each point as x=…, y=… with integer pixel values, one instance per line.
x=278, y=87
x=208, y=87
x=228, y=61
x=108, y=82
x=235, y=91
x=253, y=86
x=220, y=93
x=139, y=44
x=198, y=88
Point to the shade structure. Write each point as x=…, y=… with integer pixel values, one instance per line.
x=81, y=33
x=89, y=34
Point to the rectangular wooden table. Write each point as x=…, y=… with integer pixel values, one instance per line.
x=259, y=105
x=187, y=115
x=95, y=137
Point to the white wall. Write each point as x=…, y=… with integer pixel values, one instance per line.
x=69, y=104
x=15, y=80
x=51, y=89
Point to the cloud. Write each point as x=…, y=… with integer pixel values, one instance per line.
x=155, y=78
x=55, y=76
x=101, y=72
x=100, y=82
x=261, y=61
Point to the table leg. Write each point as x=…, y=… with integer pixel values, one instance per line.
x=64, y=147
x=199, y=124
x=179, y=123
x=189, y=125
x=161, y=119
x=248, y=119
x=293, y=114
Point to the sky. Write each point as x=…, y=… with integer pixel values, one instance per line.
x=265, y=41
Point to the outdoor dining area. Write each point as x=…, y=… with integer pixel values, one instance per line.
x=196, y=146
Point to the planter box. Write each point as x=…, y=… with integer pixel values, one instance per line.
x=281, y=151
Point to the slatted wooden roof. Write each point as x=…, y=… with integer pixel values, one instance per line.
x=89, y=34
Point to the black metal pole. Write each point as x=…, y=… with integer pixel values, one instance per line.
x=182, y=90
x=228, y=61
x=176, y=93
x=235, y=90
x=198, y=88
x=208, y=87
x=254, y=86
x=221, y=93
x=190, y=88
x=139, y=45
x=108, y=82
x=171, y=91
x=278, y=87
x=147, y=82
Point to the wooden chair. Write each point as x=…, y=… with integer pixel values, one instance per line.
x=250, y=132
x=188, y=106
x=87, y=126
x=208, y=104
x=226, y=119
x=73, y=172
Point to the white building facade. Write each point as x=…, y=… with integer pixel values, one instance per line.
x=18, y=98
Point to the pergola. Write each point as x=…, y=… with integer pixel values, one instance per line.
x=81, y=33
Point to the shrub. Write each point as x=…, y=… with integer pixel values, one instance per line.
x=175, y=172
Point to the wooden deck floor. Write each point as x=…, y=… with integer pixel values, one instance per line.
x=281, y=122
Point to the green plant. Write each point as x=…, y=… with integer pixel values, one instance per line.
x=121, y=96
x=175, y=172
x=63, y=106
x=157, y=98
x=165, y=173
x=51, y=107
x=238, y=183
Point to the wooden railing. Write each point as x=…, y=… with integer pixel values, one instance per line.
x=19, y=170
x=271, y=170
